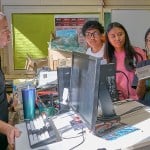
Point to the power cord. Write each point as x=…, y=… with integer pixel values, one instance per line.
x=83, y=139
x=118, y=71
x=72, y=137
x=132, y=110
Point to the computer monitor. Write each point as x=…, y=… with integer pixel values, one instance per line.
x=107, y=91
x=46, y=79
x=85, y=87
x=63, y=78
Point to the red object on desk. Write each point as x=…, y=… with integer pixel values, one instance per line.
x=47, y=93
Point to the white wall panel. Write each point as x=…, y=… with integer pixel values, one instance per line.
x=136, y=22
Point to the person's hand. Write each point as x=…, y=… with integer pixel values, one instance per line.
x=11, y=134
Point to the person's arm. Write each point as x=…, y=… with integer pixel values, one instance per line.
x=141, y=88
x=141, y=84
x=10, y=131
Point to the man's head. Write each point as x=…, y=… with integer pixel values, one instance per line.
x=4, y=31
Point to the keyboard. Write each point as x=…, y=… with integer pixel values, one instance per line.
x=41, y=131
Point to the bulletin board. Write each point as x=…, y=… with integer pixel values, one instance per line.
x=68, y=29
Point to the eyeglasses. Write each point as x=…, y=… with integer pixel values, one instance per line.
x=94, y=34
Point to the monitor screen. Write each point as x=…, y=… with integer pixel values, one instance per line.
x=107, y=91
x=84, y=87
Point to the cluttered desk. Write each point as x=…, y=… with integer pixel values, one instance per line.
x=95, y=118
x=82, y=139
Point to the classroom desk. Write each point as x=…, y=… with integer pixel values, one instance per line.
x=139, y=139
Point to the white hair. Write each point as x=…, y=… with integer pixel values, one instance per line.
x=2, y=15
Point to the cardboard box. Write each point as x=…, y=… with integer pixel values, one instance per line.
x=59, y=58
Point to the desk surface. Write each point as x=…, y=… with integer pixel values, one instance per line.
x=138, y=139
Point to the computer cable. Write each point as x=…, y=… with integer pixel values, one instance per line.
x=72, y=137
x=83, y=139
x=132, y=110
x=123, y=102
x=118, y=71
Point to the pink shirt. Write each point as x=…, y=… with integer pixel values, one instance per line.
x=124, y=78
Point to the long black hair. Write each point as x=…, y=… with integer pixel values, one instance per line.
x=131, y=56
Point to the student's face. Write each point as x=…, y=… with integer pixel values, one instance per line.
x=4, y=33
x=93, y=37
x=148, y=41
x=116, y=37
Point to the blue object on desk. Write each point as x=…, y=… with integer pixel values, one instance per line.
x=28, y=98
x=120, y=132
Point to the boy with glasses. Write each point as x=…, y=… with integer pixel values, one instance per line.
x=93, y=33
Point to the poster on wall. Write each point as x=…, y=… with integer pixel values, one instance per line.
x=68, y=34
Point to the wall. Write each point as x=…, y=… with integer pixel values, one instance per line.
x=136, y=28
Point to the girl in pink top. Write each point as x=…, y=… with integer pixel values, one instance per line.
x=118, y=49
